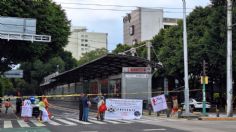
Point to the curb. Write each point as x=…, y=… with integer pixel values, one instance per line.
x=218, y=118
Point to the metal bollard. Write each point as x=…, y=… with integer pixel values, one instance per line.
x=168, y=113
x=217, y=112
x=179, y=113
x=149, y=109
x=158, y=114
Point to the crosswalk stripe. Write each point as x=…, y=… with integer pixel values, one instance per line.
x=109, y=121
x=7, y=124
x=113, y=122
x=125, y=121
x=66, y=122
x=78, y=121
x=148, y=130
x=22, y=123
x=97, y=122
x=141, y=120
x=37, y=123
x=53, y=123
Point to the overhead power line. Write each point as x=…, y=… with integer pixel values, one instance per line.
x=115, y=10
x=65, y=3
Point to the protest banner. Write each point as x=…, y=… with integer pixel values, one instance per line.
x=159, y=103
x=128, y=109
x=26, y=111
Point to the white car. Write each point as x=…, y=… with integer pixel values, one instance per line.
x=196, y=105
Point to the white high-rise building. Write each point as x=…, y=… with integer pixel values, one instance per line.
x=81, y=41
x=143, y=24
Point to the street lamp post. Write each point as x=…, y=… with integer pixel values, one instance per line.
x=229, y=59
x=186, y=90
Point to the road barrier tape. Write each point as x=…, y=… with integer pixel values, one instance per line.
x=99, y=94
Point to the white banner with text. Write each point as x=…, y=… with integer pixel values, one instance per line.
x=128, y=109
x=159, y=103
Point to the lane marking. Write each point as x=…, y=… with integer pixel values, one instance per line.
x=78, y=121
x=66, y=122
x=149, y=130
x=97, y=122
x=22, y=123
x=37, y=123
x=7, y=124
x=51, y=122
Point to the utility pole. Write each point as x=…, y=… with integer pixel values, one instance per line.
x=204, y=88
x=229, y=60
x=186, y=90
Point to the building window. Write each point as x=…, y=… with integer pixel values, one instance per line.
x=85, y=44
x=86, y=36
x=82, y=40
x=82, y=35
x=82, y=44
x=131, y=30
x=86, y=40
x=82, y=49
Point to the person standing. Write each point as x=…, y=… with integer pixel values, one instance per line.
x=101, y=108
x=86, y=105
x=45, y=100
x=41, y=108
x=81, y=106
x=26, y=112
x=7, y=104
x=18, y=106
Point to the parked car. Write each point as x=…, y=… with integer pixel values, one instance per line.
x=196, y=105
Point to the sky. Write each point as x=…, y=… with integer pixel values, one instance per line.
x=97, y=16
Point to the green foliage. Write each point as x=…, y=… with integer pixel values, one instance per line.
x=207, y=35
x=35, y=71
x=121, y=48
x=51, y=20
x=89, y=56
x=70, y=62
x=6, y=86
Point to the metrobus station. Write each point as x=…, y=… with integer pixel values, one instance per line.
x=114, y=76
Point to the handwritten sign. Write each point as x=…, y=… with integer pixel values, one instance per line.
x=159, y=103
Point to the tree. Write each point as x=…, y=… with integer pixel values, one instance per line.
x=206, y=41
x=51, y=20
x=121, y=48
x=70, y=62
x=89, y=56
x=6, y=87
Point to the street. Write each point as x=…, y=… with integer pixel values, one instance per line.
x=66, y=120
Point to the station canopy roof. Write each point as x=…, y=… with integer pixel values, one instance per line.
x=107, y=65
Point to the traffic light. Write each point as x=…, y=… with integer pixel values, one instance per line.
x=205, y=68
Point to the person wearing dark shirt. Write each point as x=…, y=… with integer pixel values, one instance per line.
x=86, y=104
x=18, y=106
x=81, y=106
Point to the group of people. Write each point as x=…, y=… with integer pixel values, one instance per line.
x=25, y=109
x=85, y=104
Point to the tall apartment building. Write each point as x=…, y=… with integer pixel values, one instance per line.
x=81, y=41
x=143, y=24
